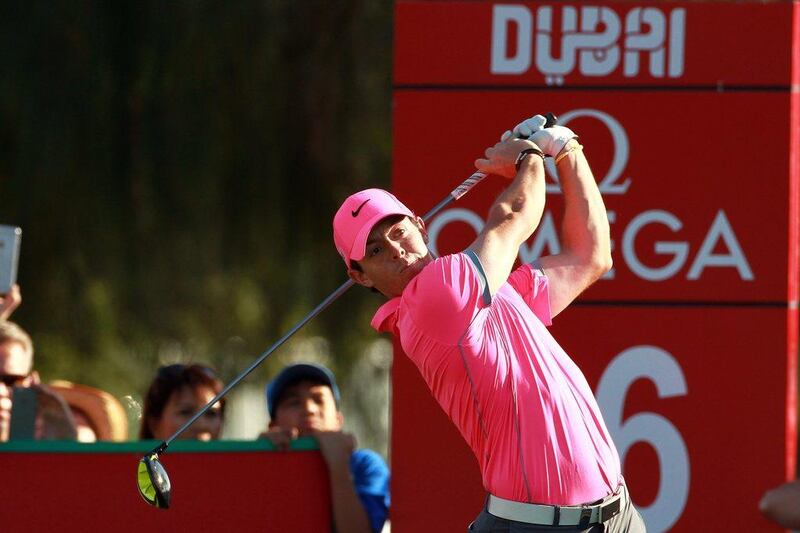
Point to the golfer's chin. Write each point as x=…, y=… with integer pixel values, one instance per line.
x=410, y=272
x=404, y=277
x=396, y=289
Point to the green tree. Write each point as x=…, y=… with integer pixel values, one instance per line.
x=175, y=167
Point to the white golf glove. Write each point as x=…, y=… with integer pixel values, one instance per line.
x=526, y=128
x=551, y=140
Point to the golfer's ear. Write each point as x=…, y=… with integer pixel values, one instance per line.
x=422, y=229
x=360, y=278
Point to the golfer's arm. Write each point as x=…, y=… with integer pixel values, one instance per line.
x=512, y=219
x=348, y=513
x=585, y=242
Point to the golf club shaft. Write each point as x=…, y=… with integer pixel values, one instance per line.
x=474, y=179
x=463, y=188
x=455, y=194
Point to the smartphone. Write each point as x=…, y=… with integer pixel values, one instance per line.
x=10, y=240
x=23, y=413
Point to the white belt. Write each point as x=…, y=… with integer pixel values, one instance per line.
x=555, y=515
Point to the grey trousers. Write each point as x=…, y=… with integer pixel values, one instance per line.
x=628, y=520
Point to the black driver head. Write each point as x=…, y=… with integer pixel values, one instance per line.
x=153, y=481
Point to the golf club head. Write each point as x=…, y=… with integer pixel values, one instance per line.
x=153, y=481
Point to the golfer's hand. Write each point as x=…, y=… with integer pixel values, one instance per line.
x=336, y=447
x=501, y=157
x=553, y=139
x=526, y=128
x=9, y=302
x=281, y=437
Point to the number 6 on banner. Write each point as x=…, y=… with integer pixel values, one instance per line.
x=657, y=365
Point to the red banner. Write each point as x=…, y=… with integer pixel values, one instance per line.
x=91, y=489
x=675, y=44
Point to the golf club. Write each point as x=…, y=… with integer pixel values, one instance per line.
x=152, y=479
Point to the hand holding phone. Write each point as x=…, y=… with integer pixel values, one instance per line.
x=9, y=302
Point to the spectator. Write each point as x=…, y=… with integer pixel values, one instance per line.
x=175, y=395
x=303, y=400
x=48, y=417
x=41, y=413
x=16, y=369
x=98, y=415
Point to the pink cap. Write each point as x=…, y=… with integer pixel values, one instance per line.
x=356, y=218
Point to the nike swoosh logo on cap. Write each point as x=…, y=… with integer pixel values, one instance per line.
x=357, y=211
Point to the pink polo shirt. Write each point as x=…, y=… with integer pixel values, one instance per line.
x=520, y=402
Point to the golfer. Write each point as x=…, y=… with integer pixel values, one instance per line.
x=476, y=331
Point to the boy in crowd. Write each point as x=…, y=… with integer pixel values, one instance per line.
x=304, y=400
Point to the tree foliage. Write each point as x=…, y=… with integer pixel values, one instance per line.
x=175, y=167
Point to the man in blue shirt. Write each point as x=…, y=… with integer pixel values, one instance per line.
x=303, y=400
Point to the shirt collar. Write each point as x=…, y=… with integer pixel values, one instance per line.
x=386, y=316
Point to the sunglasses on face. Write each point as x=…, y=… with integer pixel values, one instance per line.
x=11, y=381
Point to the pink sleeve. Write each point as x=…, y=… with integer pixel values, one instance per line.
x=443, y=299
x=531, y=283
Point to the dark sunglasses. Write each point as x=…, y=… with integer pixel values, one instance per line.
x=11, y=381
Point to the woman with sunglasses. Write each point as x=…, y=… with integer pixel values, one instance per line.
x=16, y=369
x=175, y=395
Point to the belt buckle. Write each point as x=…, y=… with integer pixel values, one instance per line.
x=586, y=515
